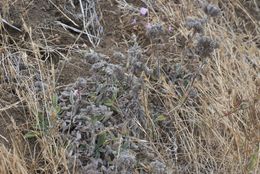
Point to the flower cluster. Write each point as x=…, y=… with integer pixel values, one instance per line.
x=205, y=45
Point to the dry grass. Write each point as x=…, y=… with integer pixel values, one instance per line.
x=220, y=135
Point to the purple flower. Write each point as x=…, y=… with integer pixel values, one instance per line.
x=133, y=21
x=148, y=26
x=143, y=11
x=170, y=29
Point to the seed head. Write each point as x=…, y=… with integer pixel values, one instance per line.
x=196, y=24
x=205, y=46
x=154, y=30
x=212, y=10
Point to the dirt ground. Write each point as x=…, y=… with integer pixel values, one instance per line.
x=39, y=17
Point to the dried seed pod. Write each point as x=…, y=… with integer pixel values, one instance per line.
x=158, y=167
x=80, y=83
x=126, y=161
x=196, y=24
x=94, y=57
x=205, y=46
x=154, y=30
x=212, y=10
x=40, y=86
x=120, y=57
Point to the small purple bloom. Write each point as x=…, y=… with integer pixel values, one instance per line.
x=77, y=94
x=170, y=29
x=133, y=21
x=148, y=26
x=143, y=11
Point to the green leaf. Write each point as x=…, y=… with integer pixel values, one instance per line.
x=101, y=139
x=92, y=96
x=58, y=109
x=55, y=100
x=99, y=117
x=109, y=102
x=72, y=101
x=96, y=118
x=97, y=153
x=125, y=146
x=160, y=118
x=252, y=162
x=83, y=146
x=186, y=83
x=31, y=134
x=42, y=122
